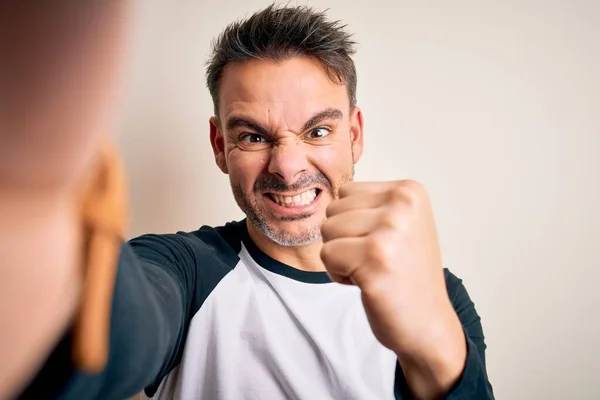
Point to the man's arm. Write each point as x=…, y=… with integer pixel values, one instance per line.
x=59, y=73
x=474, y=382
x=152, y=300
x=382, y=237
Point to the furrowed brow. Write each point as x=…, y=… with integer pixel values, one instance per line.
x=241, y=122
x=330, y=113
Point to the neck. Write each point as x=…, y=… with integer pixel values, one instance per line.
x=306, y=258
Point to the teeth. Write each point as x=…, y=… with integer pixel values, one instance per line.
x=301, y=199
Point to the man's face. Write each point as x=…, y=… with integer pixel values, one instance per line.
x=288, y=139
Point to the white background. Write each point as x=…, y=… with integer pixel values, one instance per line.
x=494, y=105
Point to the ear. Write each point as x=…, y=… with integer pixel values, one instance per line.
x=356, y=133
x=217, y=142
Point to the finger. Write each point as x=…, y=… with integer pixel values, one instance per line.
x=352, y=188
x=409, y=188
x=360, y=200
x=354, y=223
x=342, y=257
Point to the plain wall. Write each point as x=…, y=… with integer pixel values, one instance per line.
x=494, y=105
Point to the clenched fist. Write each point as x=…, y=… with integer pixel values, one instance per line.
x=381, y=237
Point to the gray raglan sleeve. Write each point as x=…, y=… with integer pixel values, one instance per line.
x=474, y=383
x=152, y=305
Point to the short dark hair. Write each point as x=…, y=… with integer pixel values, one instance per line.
x=278, y=33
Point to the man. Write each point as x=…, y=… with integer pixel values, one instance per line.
x=329, y=289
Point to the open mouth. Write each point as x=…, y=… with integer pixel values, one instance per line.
x=298, y=200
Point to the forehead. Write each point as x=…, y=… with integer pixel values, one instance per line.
x=279, y=92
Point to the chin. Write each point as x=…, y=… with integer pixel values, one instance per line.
x=296, y=223
x=293, y=231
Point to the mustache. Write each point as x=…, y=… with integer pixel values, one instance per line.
x=270, y=183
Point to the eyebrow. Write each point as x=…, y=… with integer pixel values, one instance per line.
x=330, y=113
x=245, y=122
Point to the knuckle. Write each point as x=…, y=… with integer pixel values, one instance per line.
x=397, y=220
x=409, y=193
x=378, y=250
x=389, y=219
x=415, y=190
x=398, y=195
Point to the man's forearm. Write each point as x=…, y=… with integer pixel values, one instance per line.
x=59, y=70
x=431, y=372
x=148, y=321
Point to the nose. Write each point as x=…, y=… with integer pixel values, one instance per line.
x=288, y=160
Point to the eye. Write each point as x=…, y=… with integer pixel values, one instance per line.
x=252, y=138
x=318, y=133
